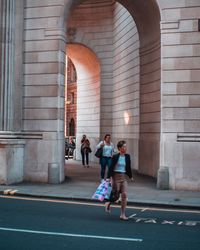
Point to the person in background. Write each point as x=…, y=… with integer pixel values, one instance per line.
x=82, y=151
x=71, y=147
x=106, y=159
x=119, y=170
x=85, y=150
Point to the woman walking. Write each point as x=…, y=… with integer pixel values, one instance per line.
x=119, y=170
x=106, y=159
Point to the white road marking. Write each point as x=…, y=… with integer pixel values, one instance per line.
x=143, y=210
x=69, y=235
x=133, y=215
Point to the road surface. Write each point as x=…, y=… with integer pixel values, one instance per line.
x=31, y=224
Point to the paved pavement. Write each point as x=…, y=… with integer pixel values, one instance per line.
x=81, y=183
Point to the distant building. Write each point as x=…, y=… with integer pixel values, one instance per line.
x=137, y=72
x=71, y=100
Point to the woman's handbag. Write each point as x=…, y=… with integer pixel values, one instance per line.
x=99, y=152
x=101, y=191
x=87, y=150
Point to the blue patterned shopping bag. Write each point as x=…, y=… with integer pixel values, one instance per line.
x=101, y=191
x=108, y=194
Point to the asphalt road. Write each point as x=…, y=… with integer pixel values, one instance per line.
x=38, y=224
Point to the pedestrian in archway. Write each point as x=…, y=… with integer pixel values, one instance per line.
x=119, y=170
x=71, y=147
x=106, y=159
x=85, y=150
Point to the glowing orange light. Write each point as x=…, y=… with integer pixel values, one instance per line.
x=126, y=117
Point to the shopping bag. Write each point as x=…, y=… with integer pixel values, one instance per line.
x=108, y=194
x=101, y=191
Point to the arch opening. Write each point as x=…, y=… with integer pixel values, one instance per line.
x=125, y=36
x=88, y=93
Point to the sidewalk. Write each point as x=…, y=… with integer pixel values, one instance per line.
x=81, y=183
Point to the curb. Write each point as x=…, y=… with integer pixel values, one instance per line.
x=129, y=203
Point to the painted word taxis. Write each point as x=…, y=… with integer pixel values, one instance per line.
x=165, y=222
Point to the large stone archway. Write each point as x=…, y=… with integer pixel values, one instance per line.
x=129, y=37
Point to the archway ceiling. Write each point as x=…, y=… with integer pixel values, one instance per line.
x=85, y=61
x=145, y=13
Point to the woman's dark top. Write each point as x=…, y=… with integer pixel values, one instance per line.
x=115, y=158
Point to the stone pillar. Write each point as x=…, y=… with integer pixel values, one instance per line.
x=12, y=161
x=7, y=22
x=53, y=173
x=163, y=178
x=11, y=80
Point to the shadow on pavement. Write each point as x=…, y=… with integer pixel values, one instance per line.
x=75, y=172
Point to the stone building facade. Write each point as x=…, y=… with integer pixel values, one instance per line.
x=138, y=78
x=70, y=99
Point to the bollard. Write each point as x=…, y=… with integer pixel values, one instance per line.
x=163, y=178
x=53, y=173
x=74, y=154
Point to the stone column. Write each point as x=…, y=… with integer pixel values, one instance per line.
x=11, y=75
x=12, y=160
x=7, y=21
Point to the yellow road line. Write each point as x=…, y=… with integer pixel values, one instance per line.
x=101, y=204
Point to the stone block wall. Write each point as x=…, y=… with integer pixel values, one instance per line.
x=150, y=106
x=43, y=100
x=180, y=92
x=126, y=87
